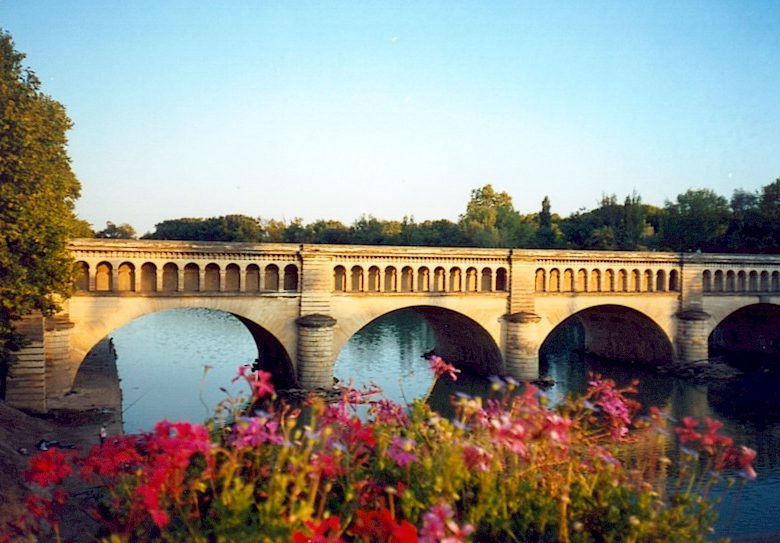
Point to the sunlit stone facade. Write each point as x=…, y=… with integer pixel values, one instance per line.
x=302, y=303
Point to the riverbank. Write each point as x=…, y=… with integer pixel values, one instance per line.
x=74, y=421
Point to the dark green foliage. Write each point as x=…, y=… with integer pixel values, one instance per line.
x=38, y=190
x=113, y=231
x=227, y=228
x=698, y=220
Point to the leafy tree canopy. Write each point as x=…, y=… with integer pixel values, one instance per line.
x=38, y=190
x=113, y=231
x=697, y=219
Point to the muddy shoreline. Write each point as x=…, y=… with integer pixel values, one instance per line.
x=76, y=420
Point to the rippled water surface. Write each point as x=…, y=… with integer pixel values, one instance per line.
x=174, y=364
x=161, y=359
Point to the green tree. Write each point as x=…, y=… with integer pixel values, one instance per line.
x=226, y=228
x=745, y=229
x=698, y=220
x=297, y=232
x=273, y=229
x=633, y=226
x=368, y=230
x=548, y=234
x=490, y=219
x=329, y=231
x=768, y=219
x=38, y=190
x=114, y=231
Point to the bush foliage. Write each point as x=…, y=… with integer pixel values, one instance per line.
x=511, y=468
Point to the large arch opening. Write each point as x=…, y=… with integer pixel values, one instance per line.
x=749, y=336
x=177, y=365
x=389, y=351
x=611, y=332
x=611, y=340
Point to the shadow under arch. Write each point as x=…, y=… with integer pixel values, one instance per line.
x=750, y=335
x=271, y=354
x=615, y=341
x=462, y=341
x=612, y=332
x=458, y=339
x=161, y=359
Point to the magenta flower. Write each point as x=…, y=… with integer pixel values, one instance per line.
x=401, y=451
x=476, y=458
x=440, y=367
x=259, y=382
x=254, y=431
x=390, y=413
x=509, y=433
x=615, y=408
x=439, y=526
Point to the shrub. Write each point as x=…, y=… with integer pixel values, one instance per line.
x=510, y=468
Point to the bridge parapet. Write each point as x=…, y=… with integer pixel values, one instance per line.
x=310, y=299
x=429, y=270
x=588, y=272
x=740, y=274
x=148, y=267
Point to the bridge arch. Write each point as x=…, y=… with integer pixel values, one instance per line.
x=459, y=338
x=272, y=356
x=270, y=321
x=603, y=332
x=752, y=329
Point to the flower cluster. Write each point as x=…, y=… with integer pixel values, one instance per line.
x=719, y=447
x=505, y=468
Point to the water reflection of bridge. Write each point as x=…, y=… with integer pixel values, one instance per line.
x=491, y=309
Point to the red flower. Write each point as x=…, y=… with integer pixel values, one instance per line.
x=38, y=506
x=381, y=526
x=326, y=531
x=712, y=438
x=742, y=458
x=685, y=432
x=49, y=467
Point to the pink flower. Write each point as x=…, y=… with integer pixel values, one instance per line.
x=254, y=431
x=440, y=367
x=439, y=526
x=615, y=408
x=476, y=458
x=557, y=427
x=390, y=413
x=401, y=451
x=742, y=458
x=259, y=382
x=509, y=433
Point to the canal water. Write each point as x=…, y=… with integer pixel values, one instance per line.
x=180, y=364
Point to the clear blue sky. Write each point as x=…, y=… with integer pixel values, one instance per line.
x=333, y=109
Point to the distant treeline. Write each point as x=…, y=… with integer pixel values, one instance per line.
x=695, y=220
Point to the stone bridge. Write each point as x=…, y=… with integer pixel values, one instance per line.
x=492, y=310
